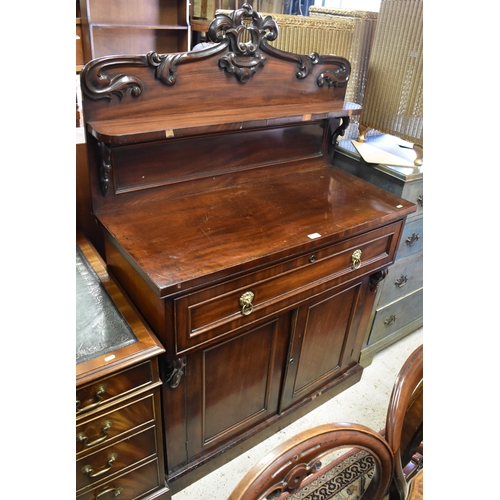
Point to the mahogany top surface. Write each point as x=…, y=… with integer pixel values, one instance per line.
x=193, y=240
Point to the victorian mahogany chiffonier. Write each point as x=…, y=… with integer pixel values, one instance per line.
x=253, y=259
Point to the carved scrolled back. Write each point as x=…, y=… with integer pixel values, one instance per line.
x=96, y=84
x=242, y=40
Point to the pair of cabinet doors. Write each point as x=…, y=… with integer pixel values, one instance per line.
x=258, y=373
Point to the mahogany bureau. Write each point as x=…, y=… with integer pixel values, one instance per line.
x=252, y=258
x=119, y=444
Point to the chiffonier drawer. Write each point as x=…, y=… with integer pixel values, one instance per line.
x=396, y=315
x=405, y=276
x=411, y=240
x=109, y=389
x=210, y=313
x=104, y=428
x=132, y=485
x=114, y=459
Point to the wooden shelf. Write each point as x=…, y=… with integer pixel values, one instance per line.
x=134, y=130
x=142, y=26
x=134, y=27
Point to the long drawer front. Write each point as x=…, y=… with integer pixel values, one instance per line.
x=109, y=389
x=107, y=427
x=132, y=485
x=396, y=315
x=114, y=459
x=206, y=315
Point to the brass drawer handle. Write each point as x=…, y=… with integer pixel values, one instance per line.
x=401, y=282
x=356, y=259
x=101, y=389
x=420, y=200
x=411, y=240
x=116, y=492
x=390, y=320
x=246, y=303
x=83, y=438
x=87, y=469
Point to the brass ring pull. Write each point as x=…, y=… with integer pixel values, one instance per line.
x=83, y=438
x=101, y=389
x=246, y=303
x=116, y=492
x=87, y=469
x=356, y=259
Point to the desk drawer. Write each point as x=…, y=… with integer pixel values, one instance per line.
x=106, y=427
x=132, y=485
x=109, y=389
x=211, y=313
x=396, y=315
x=113, y=459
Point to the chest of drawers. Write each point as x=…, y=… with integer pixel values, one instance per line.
x=119, y=445
x=398, y=308
x=253, y=259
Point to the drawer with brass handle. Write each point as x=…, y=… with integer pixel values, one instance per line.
x=113, y=459
x=105, y=427
x=96, y=395
x=405, y=276
x=412, y=238
x=208, y=314
x=396, y=315
x=131, y=485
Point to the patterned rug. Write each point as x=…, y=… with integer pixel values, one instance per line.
x=344, y=480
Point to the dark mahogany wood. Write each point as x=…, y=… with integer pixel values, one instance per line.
x=212, y=177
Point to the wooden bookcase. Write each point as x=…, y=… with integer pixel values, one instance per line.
x=134, y=27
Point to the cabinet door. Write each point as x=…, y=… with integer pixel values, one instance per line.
x=234, y=385
x=324, y=343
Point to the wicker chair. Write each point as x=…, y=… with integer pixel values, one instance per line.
x=398, y=456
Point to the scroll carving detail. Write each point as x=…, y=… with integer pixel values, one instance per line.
x=242, y=40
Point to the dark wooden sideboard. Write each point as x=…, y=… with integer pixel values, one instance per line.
x=254, y=260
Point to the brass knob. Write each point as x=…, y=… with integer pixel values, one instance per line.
x=356, y=259
x=246, y=303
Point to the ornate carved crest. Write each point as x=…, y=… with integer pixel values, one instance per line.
x=244, y=57
x=242, y=40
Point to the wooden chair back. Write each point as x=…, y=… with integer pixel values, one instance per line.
x=284, y=469
x=404, y=423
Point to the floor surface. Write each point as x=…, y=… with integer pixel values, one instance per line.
x=364, y=403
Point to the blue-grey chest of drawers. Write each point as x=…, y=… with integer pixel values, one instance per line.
x=398, y=308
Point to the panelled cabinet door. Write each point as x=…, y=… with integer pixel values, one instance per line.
x=235, y=385
x=323, y=343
